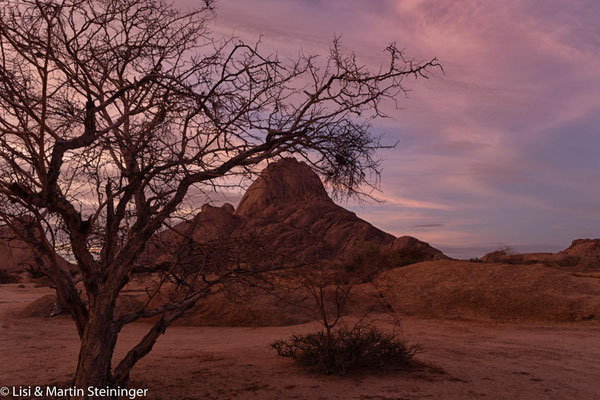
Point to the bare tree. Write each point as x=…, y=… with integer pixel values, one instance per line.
x=328, y=292
x=114, y=112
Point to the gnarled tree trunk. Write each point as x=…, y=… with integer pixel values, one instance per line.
x=97, y=345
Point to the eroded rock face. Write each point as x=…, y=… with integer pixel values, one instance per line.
x=289, y=208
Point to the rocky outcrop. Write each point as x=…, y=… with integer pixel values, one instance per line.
x=586, y=251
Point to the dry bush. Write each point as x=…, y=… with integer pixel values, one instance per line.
x=347, y=350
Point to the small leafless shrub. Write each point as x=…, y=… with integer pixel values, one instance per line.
x=347, y=350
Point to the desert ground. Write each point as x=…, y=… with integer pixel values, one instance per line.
x=461, y=359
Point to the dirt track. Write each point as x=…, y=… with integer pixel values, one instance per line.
x=495, y=361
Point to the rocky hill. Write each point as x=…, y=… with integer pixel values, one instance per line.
x=288, y=208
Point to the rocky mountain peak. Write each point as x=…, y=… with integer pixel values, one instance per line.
x=286, y=181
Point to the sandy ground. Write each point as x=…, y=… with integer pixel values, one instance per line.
x=470, y=360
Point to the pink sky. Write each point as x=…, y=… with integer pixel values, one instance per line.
x=502, y=149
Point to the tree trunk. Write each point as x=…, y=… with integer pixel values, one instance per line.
x=97, y=346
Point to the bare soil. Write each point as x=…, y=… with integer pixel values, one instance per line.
x=463, y=360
